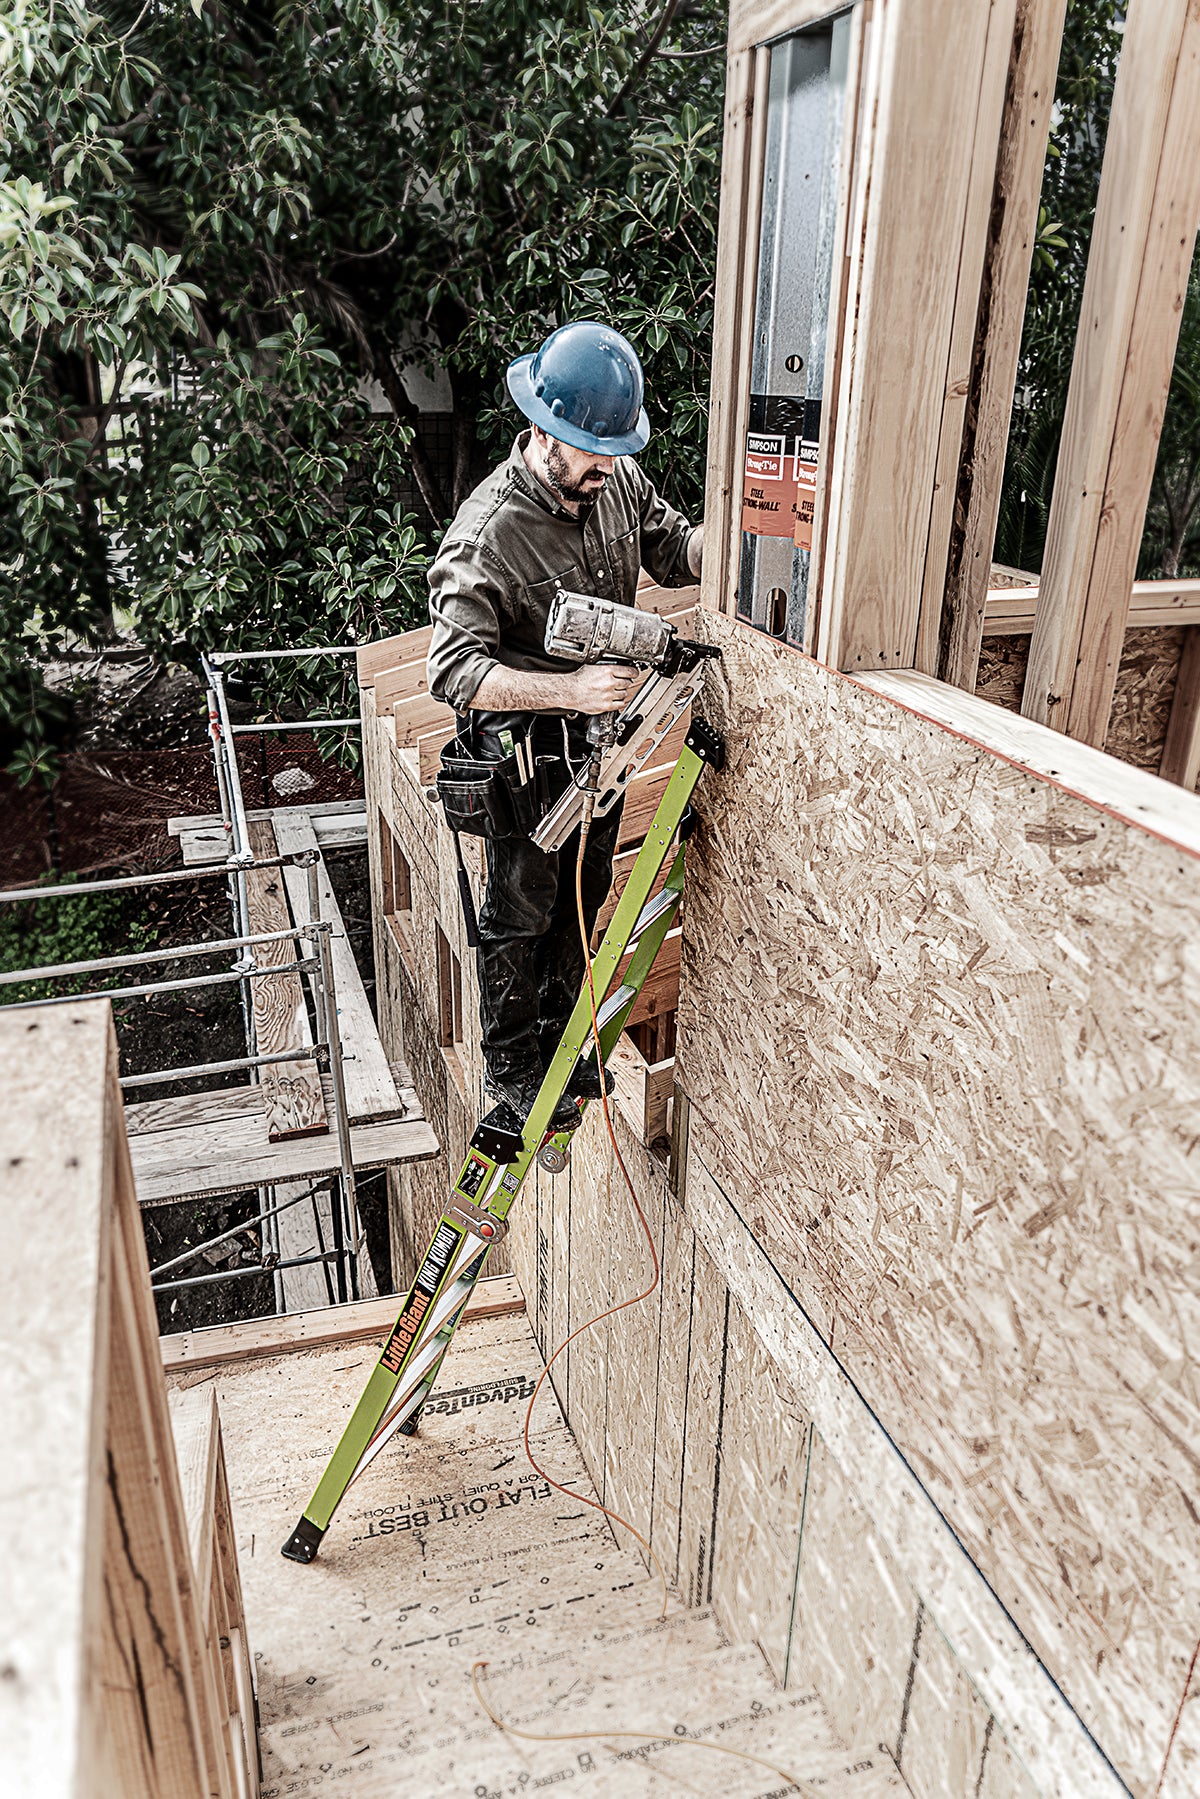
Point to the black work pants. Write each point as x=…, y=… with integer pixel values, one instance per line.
x=530, y=950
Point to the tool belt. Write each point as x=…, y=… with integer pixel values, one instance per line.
x=496, y=796
x=492, y=782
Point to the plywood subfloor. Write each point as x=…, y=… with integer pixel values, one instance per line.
x=450, y=1549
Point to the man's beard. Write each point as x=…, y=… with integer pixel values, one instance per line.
x=574, y=493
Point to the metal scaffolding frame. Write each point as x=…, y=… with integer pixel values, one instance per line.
x=223, y=734
x=339, y=1263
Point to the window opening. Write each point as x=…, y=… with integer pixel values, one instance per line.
x=1087, y=73
x=805, y=117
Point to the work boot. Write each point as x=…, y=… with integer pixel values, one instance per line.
x=519, y=1089
x=585, y=1082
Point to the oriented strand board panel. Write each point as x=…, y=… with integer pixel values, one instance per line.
x=942, y=1018
x=1142, y=700
x=944, y=1727
x=855, y=1615
x=452, y=1549
x=762, y=1469
x=57, y=1137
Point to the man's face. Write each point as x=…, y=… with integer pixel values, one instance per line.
x=578, y=476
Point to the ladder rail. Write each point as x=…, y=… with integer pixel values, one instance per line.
x=611, y=1027
x=486, y=1186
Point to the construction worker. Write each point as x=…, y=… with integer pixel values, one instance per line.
x=569, y=508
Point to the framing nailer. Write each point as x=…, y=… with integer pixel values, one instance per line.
x=504, y=1145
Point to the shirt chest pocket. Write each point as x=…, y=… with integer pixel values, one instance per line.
x=533, y=601
x=625, y=555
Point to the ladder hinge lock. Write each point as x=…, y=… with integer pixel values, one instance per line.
x=473, y=1218
x=708, y=744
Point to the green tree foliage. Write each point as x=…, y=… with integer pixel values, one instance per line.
x=79, y=929
x=216, y=223
x=1079, y=124
x=1083, y=101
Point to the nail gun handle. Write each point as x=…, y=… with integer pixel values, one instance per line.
x=602, y=728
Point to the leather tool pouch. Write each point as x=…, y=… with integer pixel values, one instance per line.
x=474, y=795
x=485, y=797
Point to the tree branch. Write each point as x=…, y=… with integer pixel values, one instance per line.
x=364, y=255
x=646, y=58
x=428, y=485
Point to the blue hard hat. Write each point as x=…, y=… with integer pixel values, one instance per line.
x=584, y=386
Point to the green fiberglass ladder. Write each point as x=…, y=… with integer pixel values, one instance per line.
x=501, y=1153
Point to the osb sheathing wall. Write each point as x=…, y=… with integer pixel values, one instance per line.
x=940, y=1036
x=688, y=1426
x=701, y=1439
x=1142, y=696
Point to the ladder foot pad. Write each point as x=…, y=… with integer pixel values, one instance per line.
x=304, y=1542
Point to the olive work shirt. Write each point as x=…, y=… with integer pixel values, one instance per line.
x=509, y=549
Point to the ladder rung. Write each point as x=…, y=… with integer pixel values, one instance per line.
x=654, y=908
x=613, y=1004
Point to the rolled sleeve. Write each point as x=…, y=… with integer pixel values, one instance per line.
x=466, y=605
x=665, y=535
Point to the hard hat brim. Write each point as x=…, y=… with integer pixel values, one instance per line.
x=537, y=412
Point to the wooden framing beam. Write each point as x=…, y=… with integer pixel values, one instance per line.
x=990, y=377
x=429, y=746
x=1181, y=751
x=990, y=120
x=408, y=681
x=1141, y=254
x=1010, y=611
x=744, y=143
x=643, y=1089
x=419, y=715
x=754, y=22
x=390, y=652
x=921, y=269
x=367, y=1320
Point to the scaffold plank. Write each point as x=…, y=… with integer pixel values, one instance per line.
x=234, y=1153
x=292, y=1097
x=370, y=1089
